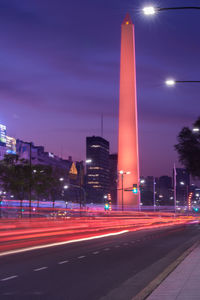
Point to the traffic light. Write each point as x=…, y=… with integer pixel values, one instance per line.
x=135, y=189
x=196, y=209
x=106, y=207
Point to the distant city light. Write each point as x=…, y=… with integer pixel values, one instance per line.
x=61, y=179
x=88, y=161
x=121, y=172
x=142, y=181
x=65, y=187
x=149, y=10
x=170, y=82
x=105, y=196
x=182, y=183
x=34, y=171
x=128, y=172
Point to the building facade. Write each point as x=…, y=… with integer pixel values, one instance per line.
x=182, y=186
x=97, y=172
x=113, y=177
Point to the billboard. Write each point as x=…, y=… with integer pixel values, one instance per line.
x=10, y=145
x=2, y=134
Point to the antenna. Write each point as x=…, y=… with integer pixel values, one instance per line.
x=101, y=124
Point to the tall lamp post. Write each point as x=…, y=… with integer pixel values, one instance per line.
x=154, y=194
x=122, y=180
x=30, y=176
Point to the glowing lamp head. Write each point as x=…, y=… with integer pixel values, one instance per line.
x=170, y=82
x=195, y=129
x=128, y=173
x=149, y=10
x=121, y=172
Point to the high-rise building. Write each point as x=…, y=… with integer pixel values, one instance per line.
x=182, y=186
x=97, y=176
x=164, y=190
x=128, y=155
x=113, y=177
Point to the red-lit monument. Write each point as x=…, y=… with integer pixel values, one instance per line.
x=128, y=157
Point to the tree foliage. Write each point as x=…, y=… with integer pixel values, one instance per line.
x=188, y=149
x=17, y=176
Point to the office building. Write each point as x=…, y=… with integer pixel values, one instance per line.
x=113, y=177
x=182, y=186
x=97, y=172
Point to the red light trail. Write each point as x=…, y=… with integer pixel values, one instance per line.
x=25, y=234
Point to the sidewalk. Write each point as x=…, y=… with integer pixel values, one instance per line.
x=183, y=283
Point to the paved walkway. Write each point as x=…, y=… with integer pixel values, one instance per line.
x=183, y=283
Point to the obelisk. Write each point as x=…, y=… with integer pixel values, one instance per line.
x=128, y=156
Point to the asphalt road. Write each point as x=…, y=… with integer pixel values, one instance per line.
x=111, y=268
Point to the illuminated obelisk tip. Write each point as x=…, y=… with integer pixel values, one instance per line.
x=128, y=157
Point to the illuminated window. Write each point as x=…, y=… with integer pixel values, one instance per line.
x=95, y=168
x=95, y=146
x=93, y=182
x=127, y=23
x=93, y=175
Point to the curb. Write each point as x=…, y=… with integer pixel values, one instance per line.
x=157, y=281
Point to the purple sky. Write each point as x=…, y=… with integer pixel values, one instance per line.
x=59, y=64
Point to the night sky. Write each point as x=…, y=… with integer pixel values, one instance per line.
x=59, y=64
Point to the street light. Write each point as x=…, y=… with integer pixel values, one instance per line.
x=122, y=176
x=61, y=179
x=65, y=187
x=172, y=82
x=195, y=129
x=151, y=10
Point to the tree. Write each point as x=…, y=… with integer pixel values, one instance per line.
x=14, y=176
x=188, y=149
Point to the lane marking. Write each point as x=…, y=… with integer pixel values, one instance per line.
x=62, y=243
x=106, y=249
x=96, y=252
x=63, y=262
x=125, y=244
x=40, y=269
x=10, y=277
x=82, y=256
x=117, y=246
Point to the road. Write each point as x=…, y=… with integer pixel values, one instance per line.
x=116, y=267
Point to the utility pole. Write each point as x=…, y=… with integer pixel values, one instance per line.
x=154, y=194
x=174, y=188
x=30, y=176
x=122, y=191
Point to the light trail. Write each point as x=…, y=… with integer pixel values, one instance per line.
x=61, y=243
x=37, y=233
